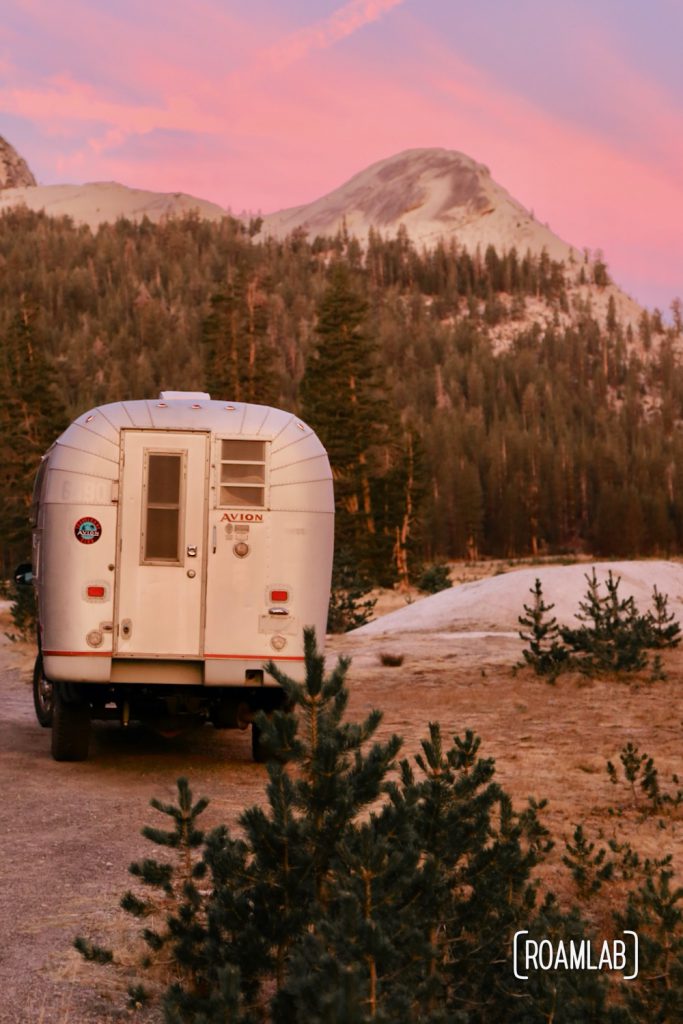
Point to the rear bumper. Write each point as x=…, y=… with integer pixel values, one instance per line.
x=213, y=670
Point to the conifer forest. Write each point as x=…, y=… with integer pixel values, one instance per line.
x=443, y=442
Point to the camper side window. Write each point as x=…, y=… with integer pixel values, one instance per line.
x=162, y=520
x=242, y=474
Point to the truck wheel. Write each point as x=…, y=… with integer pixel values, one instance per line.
x=70, y=728
x=43, y=694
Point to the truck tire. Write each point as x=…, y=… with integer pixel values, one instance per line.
x=43, y=694
x=70, y=728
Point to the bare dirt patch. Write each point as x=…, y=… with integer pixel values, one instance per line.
x=71, y=830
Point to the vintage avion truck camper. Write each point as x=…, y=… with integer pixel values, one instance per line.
x=179, y=544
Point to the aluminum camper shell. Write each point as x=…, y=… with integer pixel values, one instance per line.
x=180, y=543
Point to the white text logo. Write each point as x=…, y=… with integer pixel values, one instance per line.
x=574, y=955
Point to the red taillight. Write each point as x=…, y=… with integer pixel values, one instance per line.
x=95, y=591
x=279, y=595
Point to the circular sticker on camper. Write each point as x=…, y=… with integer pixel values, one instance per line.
x=88, y=530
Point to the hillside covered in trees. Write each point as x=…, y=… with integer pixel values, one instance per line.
x=445, y=442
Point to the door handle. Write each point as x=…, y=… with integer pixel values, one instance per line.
x=191, y=550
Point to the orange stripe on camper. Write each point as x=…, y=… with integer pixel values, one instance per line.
x=238, y=657
x=77, y=654
x=259, y=657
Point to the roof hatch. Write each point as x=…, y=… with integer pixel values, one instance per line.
x=170, y=395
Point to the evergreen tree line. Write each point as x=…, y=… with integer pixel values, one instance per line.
x=441, y=443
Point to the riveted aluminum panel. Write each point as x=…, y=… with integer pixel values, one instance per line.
x=312, y=468
x=315, y=496
x=83, y=440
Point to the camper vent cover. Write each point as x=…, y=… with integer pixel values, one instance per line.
x=168, y=396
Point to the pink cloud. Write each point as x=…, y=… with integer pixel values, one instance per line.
x=218, y=106
x=63, y=102
x=636, y=112
x=339, y=25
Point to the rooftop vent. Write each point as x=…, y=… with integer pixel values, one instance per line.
x=186, y=395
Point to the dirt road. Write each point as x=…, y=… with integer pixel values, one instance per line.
x=70, y=830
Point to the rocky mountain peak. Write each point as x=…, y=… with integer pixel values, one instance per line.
x=434, y=194
x=14, y=171
x=392, y=188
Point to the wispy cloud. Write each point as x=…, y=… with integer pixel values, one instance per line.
x=63, y=100
x=339, y=25
x=635, y=111
x=179, y=96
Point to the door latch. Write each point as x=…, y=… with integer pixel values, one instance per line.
x=191, y=550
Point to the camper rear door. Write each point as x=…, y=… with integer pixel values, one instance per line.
x=161, y=544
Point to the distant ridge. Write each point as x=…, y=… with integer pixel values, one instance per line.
x=104, y=202
x=433, y=194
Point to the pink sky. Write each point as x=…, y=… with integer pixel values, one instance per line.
x=267, y=105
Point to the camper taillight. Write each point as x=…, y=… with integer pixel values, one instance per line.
x=279, y=596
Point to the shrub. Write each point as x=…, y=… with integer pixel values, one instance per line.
x=434, y=578
x=639, y=772
x=350, y=606
x=22, y=609
x=391, y=660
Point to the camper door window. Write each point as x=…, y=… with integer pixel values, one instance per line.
x=242, y=480
x=164, y=481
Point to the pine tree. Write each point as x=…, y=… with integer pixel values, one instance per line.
x=342, y=400
x=612, y=637
x=240, y=363
x=271, y=888
x=654, y=911
x=662, y=626
x=351, y=605
x=171, y=907
x=545, y=653
x=31, y=417
x=615, y=635
x=589, y=870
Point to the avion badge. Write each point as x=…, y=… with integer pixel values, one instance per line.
x=88, y=530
